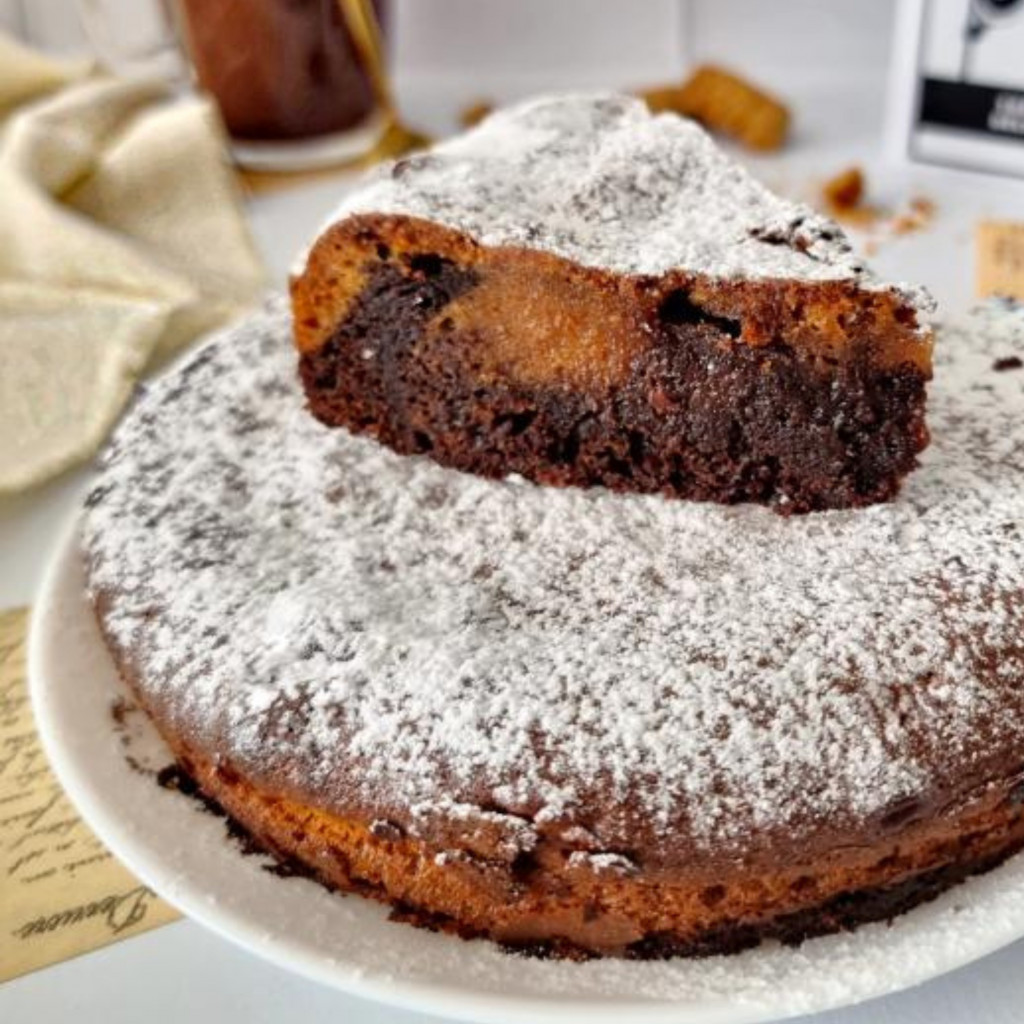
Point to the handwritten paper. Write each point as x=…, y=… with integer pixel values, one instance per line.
x=61, y=892
x=1000, y=259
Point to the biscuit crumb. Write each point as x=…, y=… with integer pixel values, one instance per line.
x=845, y=190
x=727, y=104
x=919, y=215
x=475, y=113
x=843, y=198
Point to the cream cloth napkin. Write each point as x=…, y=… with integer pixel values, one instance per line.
x=122, y=238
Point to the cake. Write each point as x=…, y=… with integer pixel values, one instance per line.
x=582, y=293
x=569, y=720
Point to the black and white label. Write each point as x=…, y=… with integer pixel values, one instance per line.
x=969, y=106
x=976, y=108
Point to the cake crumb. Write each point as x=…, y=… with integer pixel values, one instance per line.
x=843, y=198
x=475, y=113
x=1008, y=363
x=845, y=190
x=919, y=215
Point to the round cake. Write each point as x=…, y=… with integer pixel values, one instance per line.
x=571, y=720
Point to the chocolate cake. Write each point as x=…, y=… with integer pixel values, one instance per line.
x=579, y=292
x=570, y=720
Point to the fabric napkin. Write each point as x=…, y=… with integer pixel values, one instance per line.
x=122, y=238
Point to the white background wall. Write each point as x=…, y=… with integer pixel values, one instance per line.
x=449, y=53
x=587, y=42
x=10, y=16
x=817, y=38
x=582, y=42
x=622, y=42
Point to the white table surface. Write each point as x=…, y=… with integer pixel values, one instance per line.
x=181, y=972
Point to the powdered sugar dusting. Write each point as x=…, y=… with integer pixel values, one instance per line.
x=348, y=941
x=387, y=630
x=599, y=180
x=600, y=862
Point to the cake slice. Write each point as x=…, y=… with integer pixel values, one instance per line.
x=583, y=293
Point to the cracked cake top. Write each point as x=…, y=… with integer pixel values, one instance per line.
x=598, y=179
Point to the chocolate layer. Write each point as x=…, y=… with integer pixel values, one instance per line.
x=697, y=412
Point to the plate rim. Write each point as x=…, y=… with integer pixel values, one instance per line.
x=429, y=997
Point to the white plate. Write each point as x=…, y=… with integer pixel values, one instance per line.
x=348, y=942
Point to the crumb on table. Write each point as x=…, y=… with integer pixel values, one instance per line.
x=843, y=196
x=1008, y=363
x=475, y=113
x=725, y=103
x=919, y=215
x=845, y=190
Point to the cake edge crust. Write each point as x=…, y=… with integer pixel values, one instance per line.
x=376, y=860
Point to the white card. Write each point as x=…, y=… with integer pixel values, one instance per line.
x=957, y=87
